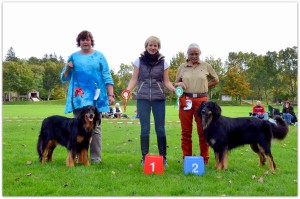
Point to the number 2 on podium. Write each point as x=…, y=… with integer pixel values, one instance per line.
x=195, y=167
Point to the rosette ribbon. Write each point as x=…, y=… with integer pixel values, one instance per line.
x=78, y=91
x=125, y=95
x=178, y=93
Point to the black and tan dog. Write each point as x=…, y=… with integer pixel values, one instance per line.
x=73, y=133
x=224, y=133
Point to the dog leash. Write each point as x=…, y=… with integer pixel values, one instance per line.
x=78, y=90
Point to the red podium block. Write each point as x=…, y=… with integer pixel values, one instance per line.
x=154, y=164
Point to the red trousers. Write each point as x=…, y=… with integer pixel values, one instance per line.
x=186, y=119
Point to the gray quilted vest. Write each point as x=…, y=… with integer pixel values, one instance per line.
x=150, y=81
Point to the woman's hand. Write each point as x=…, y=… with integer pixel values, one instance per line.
x=111, y=100
x=181, y=84
x=70, y=65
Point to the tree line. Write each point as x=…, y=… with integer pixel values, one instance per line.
x=243, y=76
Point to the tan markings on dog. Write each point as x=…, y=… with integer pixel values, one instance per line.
x=51, y=149
x=262, y=159
x=223, y=164
x=206, y=121
x=225, y=159
x=212, y=142
x=261, y=155
x=44, y=156
x=85, y=160
x=220, y=166
x=260, y=149
x=88, y=125
x=80, y=158
x=70, y=160
x=271, y=163
x=217, y=160
x=79, y=138
x=48, y=152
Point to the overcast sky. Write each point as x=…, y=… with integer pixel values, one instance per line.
x=121, y=28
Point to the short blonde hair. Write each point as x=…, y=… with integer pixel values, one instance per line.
x=193, y=45
x=153, y=38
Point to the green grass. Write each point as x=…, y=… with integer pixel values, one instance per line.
x=121, y=174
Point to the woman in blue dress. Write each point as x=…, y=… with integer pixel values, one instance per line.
x=91, y=83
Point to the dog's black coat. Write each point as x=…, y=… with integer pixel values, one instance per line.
x=73, y=133
x=224, y=133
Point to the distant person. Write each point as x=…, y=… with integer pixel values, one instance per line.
x=136, y=116
x=288, y=113
x=109, y=114
x=195, y=77
x=259, y=111
x=150, y=75
x=87, y=70
x=117, y=111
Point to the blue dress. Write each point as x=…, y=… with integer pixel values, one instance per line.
x=89, y=73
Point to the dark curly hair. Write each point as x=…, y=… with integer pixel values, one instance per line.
x=83, y=35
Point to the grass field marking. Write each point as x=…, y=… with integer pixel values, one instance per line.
x=21, y=120
x=8, y=119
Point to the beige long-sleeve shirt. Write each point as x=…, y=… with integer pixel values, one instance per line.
x=196, y=77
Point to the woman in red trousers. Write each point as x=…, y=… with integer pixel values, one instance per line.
x=195, y=77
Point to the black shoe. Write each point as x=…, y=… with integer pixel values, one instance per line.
x=144, y=147
x=162, y=147
x=165, y=163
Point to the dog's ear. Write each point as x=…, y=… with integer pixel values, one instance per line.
x=83, y=110
x=200, y=108
x=217, y=110
x=203, y=104
x=82, y=113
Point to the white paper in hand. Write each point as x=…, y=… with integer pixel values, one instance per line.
x=188, y=105
x=97, y=93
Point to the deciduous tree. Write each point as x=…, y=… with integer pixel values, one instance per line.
x=17, y=77
x=236, y=83
x=51, y=77
x=289, y=64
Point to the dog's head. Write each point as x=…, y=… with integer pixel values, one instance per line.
x=209, y=109
x=90, y=116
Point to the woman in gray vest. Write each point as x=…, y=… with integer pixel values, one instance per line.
x=150, y=75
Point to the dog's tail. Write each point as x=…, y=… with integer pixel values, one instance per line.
x=40, y=146
x=280, y=129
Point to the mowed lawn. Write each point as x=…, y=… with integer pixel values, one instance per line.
x=121, y=173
